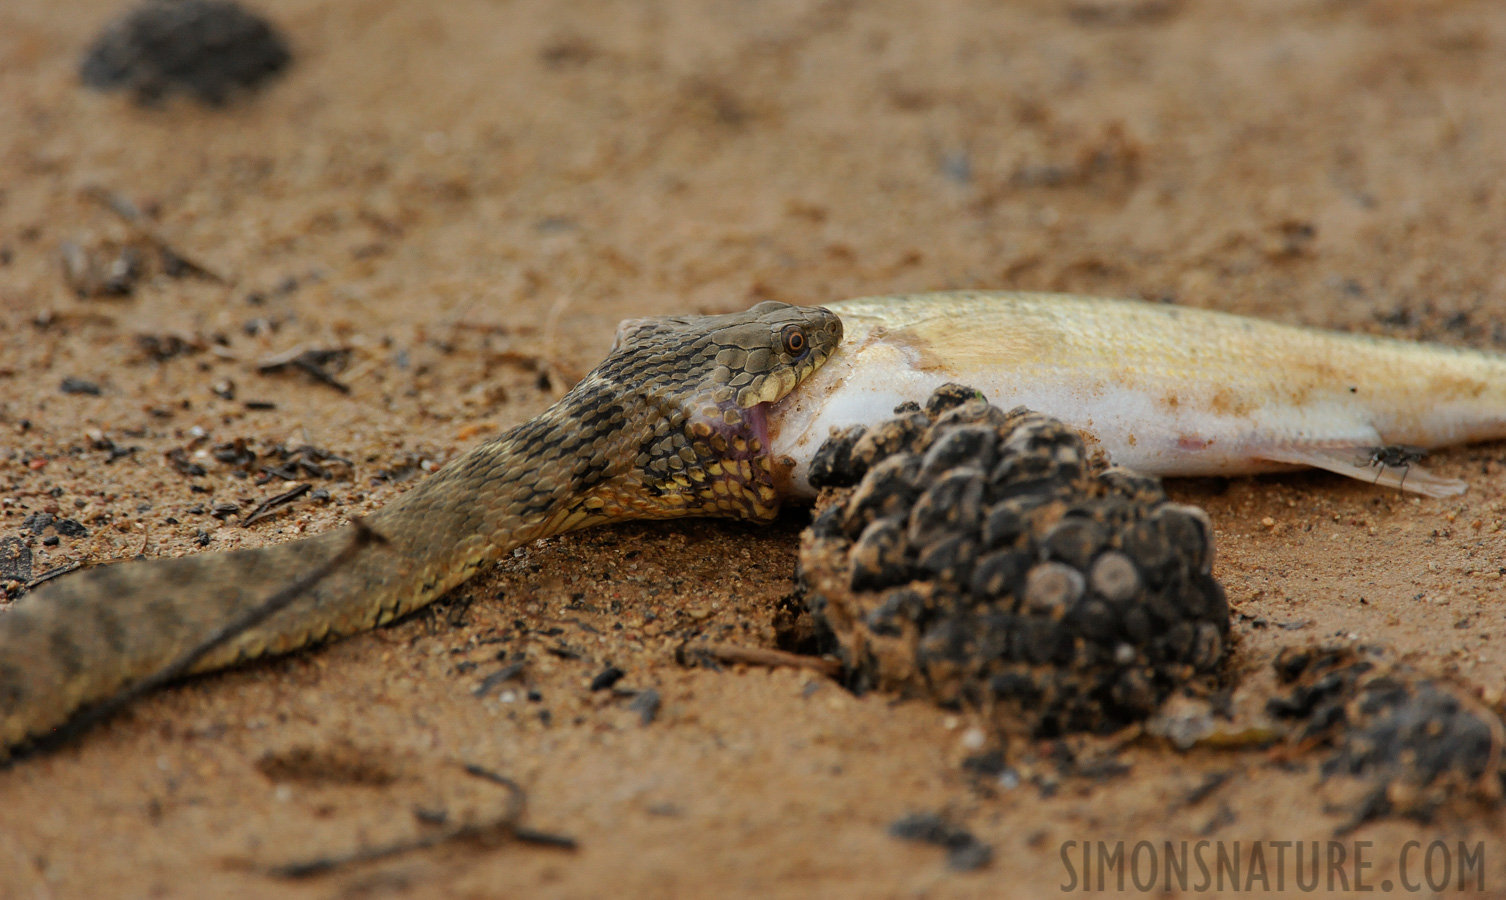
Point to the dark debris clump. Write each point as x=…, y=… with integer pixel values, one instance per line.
x=1419, y=741
x=209, y=49
x=987, y=558
x=964, y=851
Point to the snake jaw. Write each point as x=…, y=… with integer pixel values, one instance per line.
x=692, y=394
x=756, y=420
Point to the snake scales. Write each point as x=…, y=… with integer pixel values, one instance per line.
x=673, y=423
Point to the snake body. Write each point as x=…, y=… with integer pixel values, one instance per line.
x=673, y=423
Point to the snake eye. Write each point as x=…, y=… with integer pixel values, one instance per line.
x=794, y=341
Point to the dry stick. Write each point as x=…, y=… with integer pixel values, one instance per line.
x=759, y=656
x=272, y=504
x=53, y=573
x=127, y=211
x=503, y=826
x=245, y=621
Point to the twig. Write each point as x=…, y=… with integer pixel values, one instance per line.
x=491, y=830
x=759, y=656
x=245, y=621
x=270, y=505
x=53, y=573
x=310, y=361
x=127, y=211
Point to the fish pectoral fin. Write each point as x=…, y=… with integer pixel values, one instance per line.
x=1357, y=461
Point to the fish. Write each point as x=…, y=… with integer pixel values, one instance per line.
x=1167, y=390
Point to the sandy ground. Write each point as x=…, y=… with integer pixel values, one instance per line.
x=469, y=195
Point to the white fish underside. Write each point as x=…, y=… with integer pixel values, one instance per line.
x=1166, y=390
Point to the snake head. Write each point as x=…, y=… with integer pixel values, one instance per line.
x=700, y=388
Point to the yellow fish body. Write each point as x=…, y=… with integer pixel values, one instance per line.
x=1167, y=390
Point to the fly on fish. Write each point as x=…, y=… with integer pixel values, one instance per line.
x=1166, y=390
x=1395, y=456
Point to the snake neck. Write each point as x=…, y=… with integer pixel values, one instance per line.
x=527, y=484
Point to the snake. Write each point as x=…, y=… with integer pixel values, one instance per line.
x=674, y=422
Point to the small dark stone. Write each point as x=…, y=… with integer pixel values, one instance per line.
x=72, y=385
x=606, y=678
x=37, y=522
x=209, y=49
x=969, y=856
x=990, y=763
x=646, y=705
x=964, y=852
x=70, y=528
